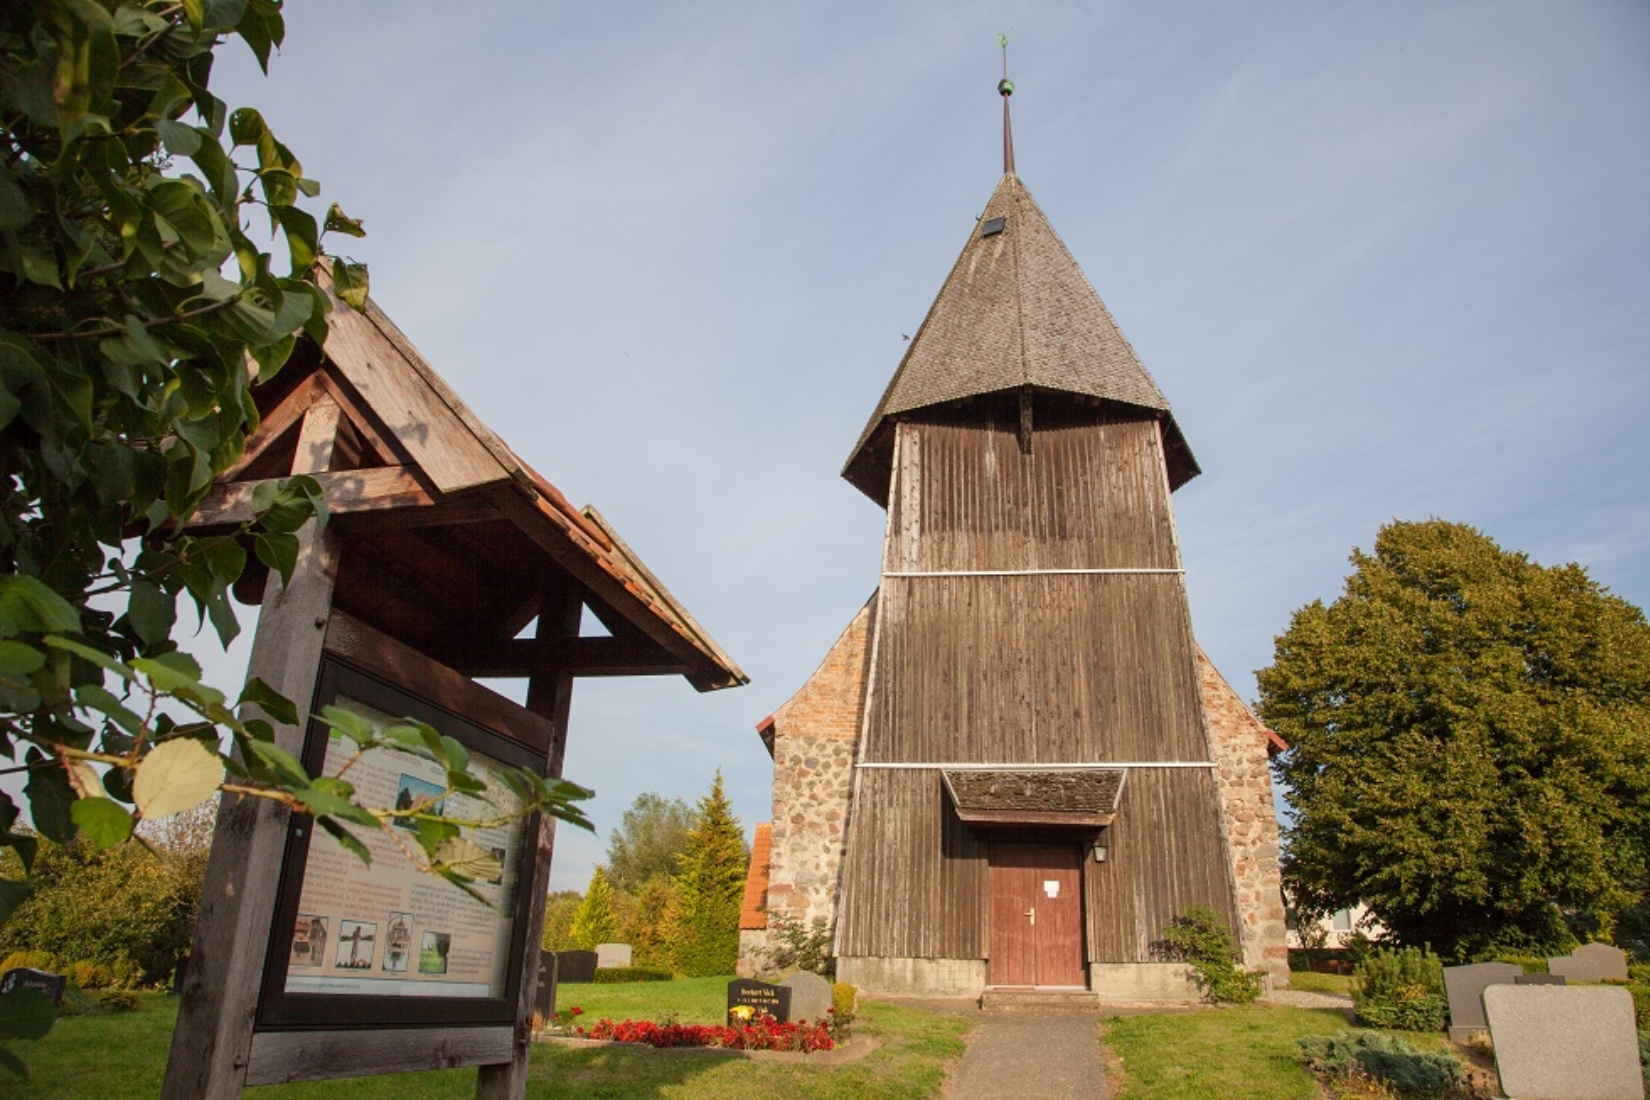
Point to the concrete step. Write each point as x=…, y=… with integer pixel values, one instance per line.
x=1047, y=1002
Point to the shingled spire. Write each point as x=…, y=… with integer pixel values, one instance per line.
x=1016, y=315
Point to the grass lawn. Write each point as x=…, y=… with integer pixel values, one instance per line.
x=1321, y=983
x=124, y=1056
x=1243, y=1053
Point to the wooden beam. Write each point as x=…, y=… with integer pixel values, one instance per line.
x=281, y=1057
x=212, y=1041
x=550, y=694
x=345, y=491
x=578, y=656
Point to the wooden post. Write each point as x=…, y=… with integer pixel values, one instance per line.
x=549, y=694
x=220, y=992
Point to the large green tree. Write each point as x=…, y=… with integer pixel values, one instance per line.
x=595, y=920
x=702, y=924
x=1469, y=744
x=648, y=842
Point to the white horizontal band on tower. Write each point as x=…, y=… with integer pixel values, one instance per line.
x=1087, y=764
x=1019, y=572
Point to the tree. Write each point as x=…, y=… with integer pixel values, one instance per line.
x=648, y=841
x=559, y=908
x=594, y=921
x=642, y=922
x=1469, y=745
x=127, y=358
x=702, y=924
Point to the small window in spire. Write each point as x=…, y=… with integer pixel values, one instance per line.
x=992, y=227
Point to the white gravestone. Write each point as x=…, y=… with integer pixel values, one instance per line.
x=610, y=955
x=1564, y=1042
x=1465, y=987
x=1611, y=961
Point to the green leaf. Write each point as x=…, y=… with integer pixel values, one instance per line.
x=302, y=244
x=181, y=140
x=28, y=606
x=282, y=764
x=101, y=699
x=12, y=894
x=462, y=856
x=195, y=12
x=345, y=838
x=177, y=775
x=50, y=797
x=151, y=611
x=271, y=702
x=350, y=724
x=169, y=671
x=17, y=659
x=16, y=208
x=279, y=551
x=349, y=282
x=280, y=186
x=433, y=834
x=87, y=653
x=103, y=822
x=339, y=222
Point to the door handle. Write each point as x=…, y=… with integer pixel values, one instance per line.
x=1032, y=913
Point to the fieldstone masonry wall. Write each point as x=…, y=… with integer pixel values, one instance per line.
x=1245, y=787
x=815, y=735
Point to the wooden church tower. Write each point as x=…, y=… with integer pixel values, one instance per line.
x=1005, y=775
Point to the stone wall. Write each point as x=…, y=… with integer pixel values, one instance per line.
x=814, y=736
x=1245, y=786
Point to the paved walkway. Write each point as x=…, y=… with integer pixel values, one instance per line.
x=1032, y=1057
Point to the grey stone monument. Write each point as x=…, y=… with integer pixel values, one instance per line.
x=1465, y=985
x=1574, y=969
x=1564, y=1043
x=544, y=995
x=810, y=996
x=574, y=967
x=609, y=955
x=1612, y=961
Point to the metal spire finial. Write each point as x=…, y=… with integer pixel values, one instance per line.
x=1005, y=88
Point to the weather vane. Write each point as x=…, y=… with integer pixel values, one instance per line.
x=1005, y=88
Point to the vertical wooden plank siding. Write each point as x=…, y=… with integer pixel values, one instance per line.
x=1032, y=667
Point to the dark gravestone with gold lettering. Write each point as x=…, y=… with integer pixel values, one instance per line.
x=761, y=998
x=544, y=997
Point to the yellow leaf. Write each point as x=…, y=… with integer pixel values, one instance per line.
x=176, y=776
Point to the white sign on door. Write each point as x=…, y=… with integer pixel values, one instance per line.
x=1051, y=887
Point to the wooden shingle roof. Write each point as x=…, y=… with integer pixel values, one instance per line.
x=1015, y=315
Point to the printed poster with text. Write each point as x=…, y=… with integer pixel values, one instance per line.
x=389, y=929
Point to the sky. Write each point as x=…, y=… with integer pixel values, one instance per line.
x=1385, y=261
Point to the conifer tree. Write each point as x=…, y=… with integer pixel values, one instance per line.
x=595, y=922
x=702, y=925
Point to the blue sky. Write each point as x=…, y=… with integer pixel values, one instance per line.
x=1384, y=260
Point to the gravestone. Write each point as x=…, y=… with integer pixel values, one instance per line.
x=573, y=967
x=1574, y=969
x=1612, y=961
x=179, y=972
x=1540, y=979
x=810, y=997
x=612, y=954
x=1564, y=1043
x=24, y=977
x=544, y=994
x=760, y=997
x=1465, y=987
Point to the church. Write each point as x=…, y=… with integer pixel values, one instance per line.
x=1016, y=766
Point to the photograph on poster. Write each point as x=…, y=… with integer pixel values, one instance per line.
x=433, y=958
x=397, y=941
x=416, y=792
x=378, y=912
x=355, y=944
x=309, y=941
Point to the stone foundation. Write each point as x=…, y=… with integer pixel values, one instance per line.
x=913, y=977
x=1144, y=983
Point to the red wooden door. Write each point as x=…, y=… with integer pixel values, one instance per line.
x=1036, y=916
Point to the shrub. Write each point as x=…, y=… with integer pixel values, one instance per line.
x=844, y=1001
x=612, y=975
x=1532, y=964
x=1388, y=1058
x=1200, y=937
x=1639, y=973
x=1400, y=989
x=118, y=1000
x=27, y=960
x=793, y=945
x=1641, y=1005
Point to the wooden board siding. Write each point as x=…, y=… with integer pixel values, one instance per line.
x=1163, y=853
x=916, y=877
x=997, y=661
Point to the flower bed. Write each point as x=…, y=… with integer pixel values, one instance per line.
x=762, y=1033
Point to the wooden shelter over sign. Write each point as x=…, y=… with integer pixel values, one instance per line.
x=441, y=549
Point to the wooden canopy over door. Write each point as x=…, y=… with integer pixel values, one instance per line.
x=1036, y=915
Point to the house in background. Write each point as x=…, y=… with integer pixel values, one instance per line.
x=1015, y=766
